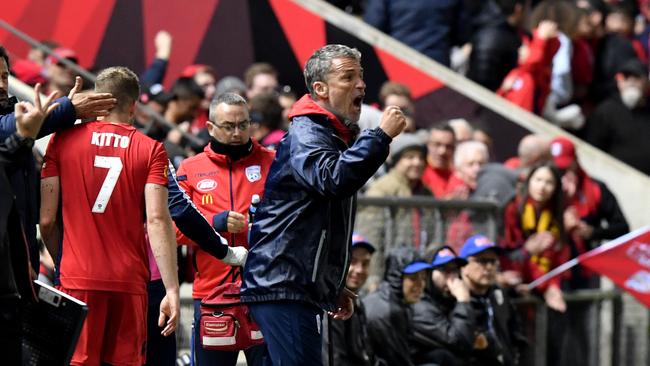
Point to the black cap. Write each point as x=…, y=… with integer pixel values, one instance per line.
x=634, y=67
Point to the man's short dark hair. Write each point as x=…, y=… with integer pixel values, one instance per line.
x=122, y=83
x=225, y=98
x=319, y=64
x=3, y=54
x=443, y=126
x=258, y=69
x=186, y=88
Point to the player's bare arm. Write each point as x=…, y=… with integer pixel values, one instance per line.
x=50, y=191
x=163, y=245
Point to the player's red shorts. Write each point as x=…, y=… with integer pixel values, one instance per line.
x=115, y=330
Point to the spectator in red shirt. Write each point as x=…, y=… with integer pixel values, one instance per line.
x=260, y=78
x=439, y=168
x=469, y=157
x=529, y=84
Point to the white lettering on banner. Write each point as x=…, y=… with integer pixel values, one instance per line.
x=110, y=139
x=640, y=253
x=639, y=282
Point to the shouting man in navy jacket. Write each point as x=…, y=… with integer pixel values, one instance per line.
x=300, y=241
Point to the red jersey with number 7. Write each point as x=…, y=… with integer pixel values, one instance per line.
x=103, y=168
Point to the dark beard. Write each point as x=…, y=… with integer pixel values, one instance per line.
x=7, y=105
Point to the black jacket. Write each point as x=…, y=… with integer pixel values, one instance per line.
x=300, y=240
x=389, y=318
x=15, y=279
x=441, y=322
x=498, y=321
x=495, y=48
x=621, y=132
x=349, y=340
x=25, y=179
x=612, y=51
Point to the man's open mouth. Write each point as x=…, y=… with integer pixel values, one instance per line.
x=358, y=101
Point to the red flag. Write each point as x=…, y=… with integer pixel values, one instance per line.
x=625, y=261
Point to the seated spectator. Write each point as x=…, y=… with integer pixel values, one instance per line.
x=388, y=309
x=206, y=78
x=534, y=232
x=231, y=84
x=619, y=126
x=60, y=77
x=260, y=78
x=532, y=149
x=392, y=93
x=469, y=157
x=411, y=227
x=439, y=168
x=184, y=103
x=463, y=130
x=348, y=339
x=443, y=322
x=495, y=42
x=156, y=99
x=266, y=119
x=529, y=84
x=499, y=337
x=37, y=55
x=430, y=27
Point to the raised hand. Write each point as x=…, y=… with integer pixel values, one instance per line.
x=393, y=121
x=30, y=117
x=90, y=105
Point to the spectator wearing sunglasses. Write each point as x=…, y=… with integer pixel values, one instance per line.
x=499, y=337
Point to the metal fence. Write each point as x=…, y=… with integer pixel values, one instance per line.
x=451, y=222
x=591, y=303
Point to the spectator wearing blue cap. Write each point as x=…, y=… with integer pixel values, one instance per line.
x=389, y=309
x=499, y=336
x=345, y=342
x=443, y=322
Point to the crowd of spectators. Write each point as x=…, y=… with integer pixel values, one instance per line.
x=580, y=64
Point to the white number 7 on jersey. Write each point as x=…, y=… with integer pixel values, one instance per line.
x=114, y=166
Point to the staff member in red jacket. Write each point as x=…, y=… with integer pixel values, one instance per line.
x=221, y=181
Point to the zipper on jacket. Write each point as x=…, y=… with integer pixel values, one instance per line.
x=323, y=233
x=347, y=249
x=232, y=201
